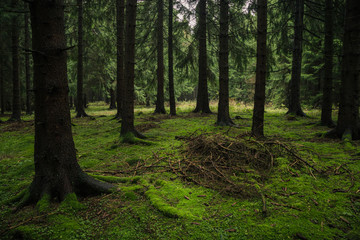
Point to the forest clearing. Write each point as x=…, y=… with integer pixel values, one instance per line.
x=290, y=200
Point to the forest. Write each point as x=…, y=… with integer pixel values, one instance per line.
x=179, y=119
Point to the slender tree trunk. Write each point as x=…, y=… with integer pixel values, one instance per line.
x=112, y=99
x=127, y=124
x=160, y=108
x=120, y=53
x=202, y=101
x=294, y=88
x=223, y=117
x=57, y=172
x=27, y=61
x=328, y=67
x=259, y=97
x=71, y=104
x=171, y=61
x=16, y=110
x=80, y=73
x=2, y=92
x=348, y=126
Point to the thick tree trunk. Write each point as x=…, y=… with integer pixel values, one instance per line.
x=223, y=117
x=348, y=125
x=57, y=172
x=259, y=97
x=294, y=88
x=16, y=110
x=27, y=62
x=160, y=108
x=120, y=53
x=171, y=61
x=326, y=109
x=80, y=73
x=127, y=124
x=112, y=99
x=202, y=101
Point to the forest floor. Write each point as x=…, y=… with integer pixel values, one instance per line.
x=192, y=180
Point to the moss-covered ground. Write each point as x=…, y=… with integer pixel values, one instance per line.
x=300, y=204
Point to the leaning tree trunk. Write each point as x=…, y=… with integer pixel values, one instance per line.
x=27, y=61
x=326, y=109
x=294, y=88
x=223, y=117
x=16, y=109
x=127, y=123
x=160, y=108
x=348, y=125
x=119, y=53
x=259, y=97
x=171, y=61
x=57, y=172
x=202, y=100
x=80, y=73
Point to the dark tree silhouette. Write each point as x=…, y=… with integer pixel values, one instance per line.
x=16, y=109
x=294, y=87
x=259, y=97
x=348, y=125
x=80, y=72
x=171, y=61
x=326, y=109
x=160, y=108
x=127, y=124
x=120, y=5
x=27, y=60
x=223, y=117
x=112, y=99
x=57, y=172
x=202, y=100
x=2, y=92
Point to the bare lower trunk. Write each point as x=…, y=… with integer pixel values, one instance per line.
x=120, y=53
x=171, y=62
x=259, y=97
x=112, y=99
x=57, y=172
x=294, y=88
x=160, y=107
x=223, y=117
x=80, y=73
x=202, y=100
x=27, y=62
x=326, y=109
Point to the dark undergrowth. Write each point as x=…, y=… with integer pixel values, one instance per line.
x=192, y=180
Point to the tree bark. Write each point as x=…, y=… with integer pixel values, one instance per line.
x=223, y=117
x=120, y=5
x=127, y=123
x=202, y=100
x=57, y=172
x=80, y=73
x=160, y=107
x=2, y=92
x=259, y=97
x=348, y=125
x=16, y=109
x=294, y=88
x=112, y=99
x=171, y=61
x=326, y=108
x=27, y=61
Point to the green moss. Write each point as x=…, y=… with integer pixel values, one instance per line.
x=29, y=232
x=111, y=179
x=131, y=139
x=43, y=205
x=71, y=202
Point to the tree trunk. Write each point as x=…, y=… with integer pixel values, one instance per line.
x=259, y=97
x=326, y=109
x=160, y=108
x=2, y=98
x=127, y=124
x=80, y=73
x=57, y=172
x=120, y=53
x=171, y=61
x=294, y=88
x=202, y=101
x=348, y=125
x=27, y=61
x=16, y=110
x=71, y=104
x=112, y=99
x=223, y=117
